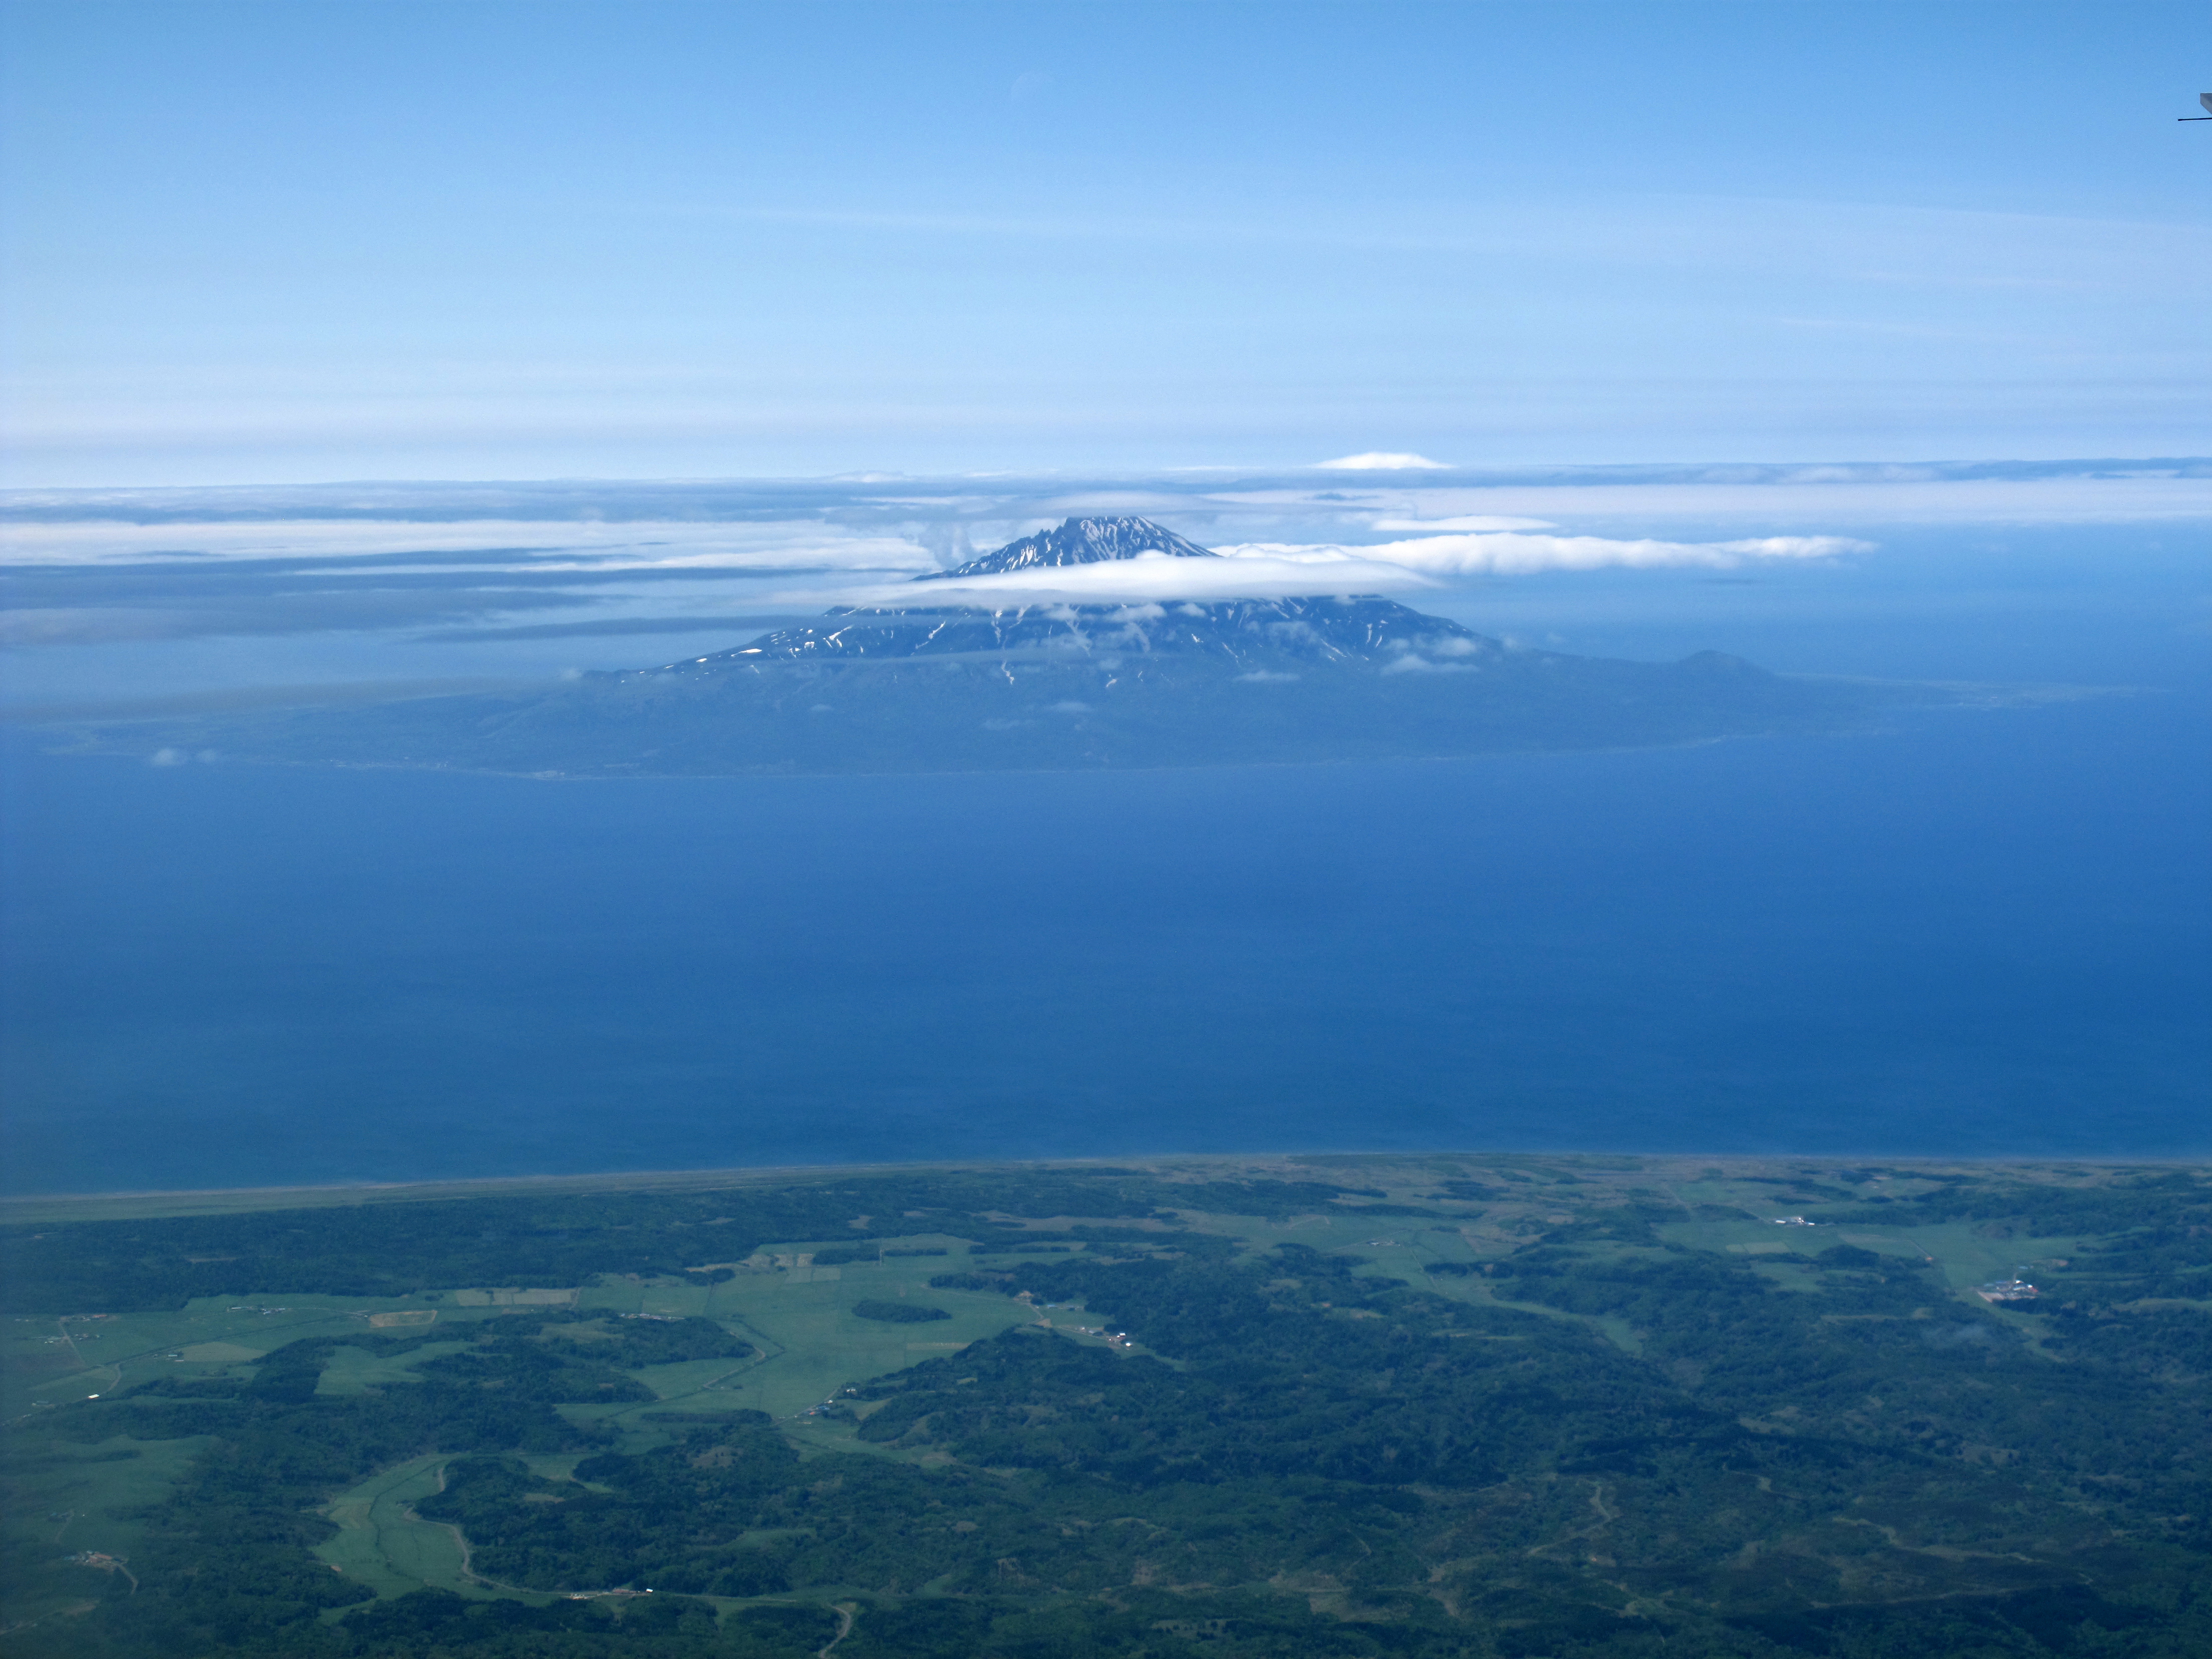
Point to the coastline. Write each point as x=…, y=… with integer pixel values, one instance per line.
x=32, y=1209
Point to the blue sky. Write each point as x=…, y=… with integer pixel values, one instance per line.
x=284, y=243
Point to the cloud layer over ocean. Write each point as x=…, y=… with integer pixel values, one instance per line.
x=538, y=571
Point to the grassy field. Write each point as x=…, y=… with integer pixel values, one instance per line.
x=30, y=1210
x=811, y=1346
x=800, y=1318
x=381, y=1542
x=86, y=1498
x=1693, y=1176
x=799, y=1315
x=70, y=1357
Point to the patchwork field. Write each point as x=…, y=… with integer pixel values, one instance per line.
x=809, y=1347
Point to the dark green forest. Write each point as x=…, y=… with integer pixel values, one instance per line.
x=1588, y=1436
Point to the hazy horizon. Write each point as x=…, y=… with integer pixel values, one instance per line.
x=266, y=242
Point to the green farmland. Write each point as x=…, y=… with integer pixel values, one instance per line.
x=1445, y=1406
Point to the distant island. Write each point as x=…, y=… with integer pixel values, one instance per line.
x=954, y=685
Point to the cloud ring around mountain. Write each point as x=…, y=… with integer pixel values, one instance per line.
x=1147, y=578
x=1521, y=553
x=1262, y=570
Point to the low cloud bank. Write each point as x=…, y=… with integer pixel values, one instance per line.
x=775, y=547
x=1260, y=570
x=485, y=561
x=1517, y=552
x=1151, y=578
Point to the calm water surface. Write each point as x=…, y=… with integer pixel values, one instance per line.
x=1983, y=934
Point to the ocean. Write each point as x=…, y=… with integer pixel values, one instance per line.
x=1982, y=935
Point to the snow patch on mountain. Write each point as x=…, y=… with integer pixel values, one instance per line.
x=1078, y=541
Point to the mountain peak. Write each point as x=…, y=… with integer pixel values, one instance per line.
x=1081, y=540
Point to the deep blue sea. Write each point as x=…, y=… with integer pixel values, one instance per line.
x=1983, y=934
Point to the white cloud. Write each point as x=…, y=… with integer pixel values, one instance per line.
x=1149, y=579
x=1519, y=553
x=1384, y=460
x=1503, y=553
x=1256, y=570
x=541, y=545
x=1465, y=521
x=1797, y=498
